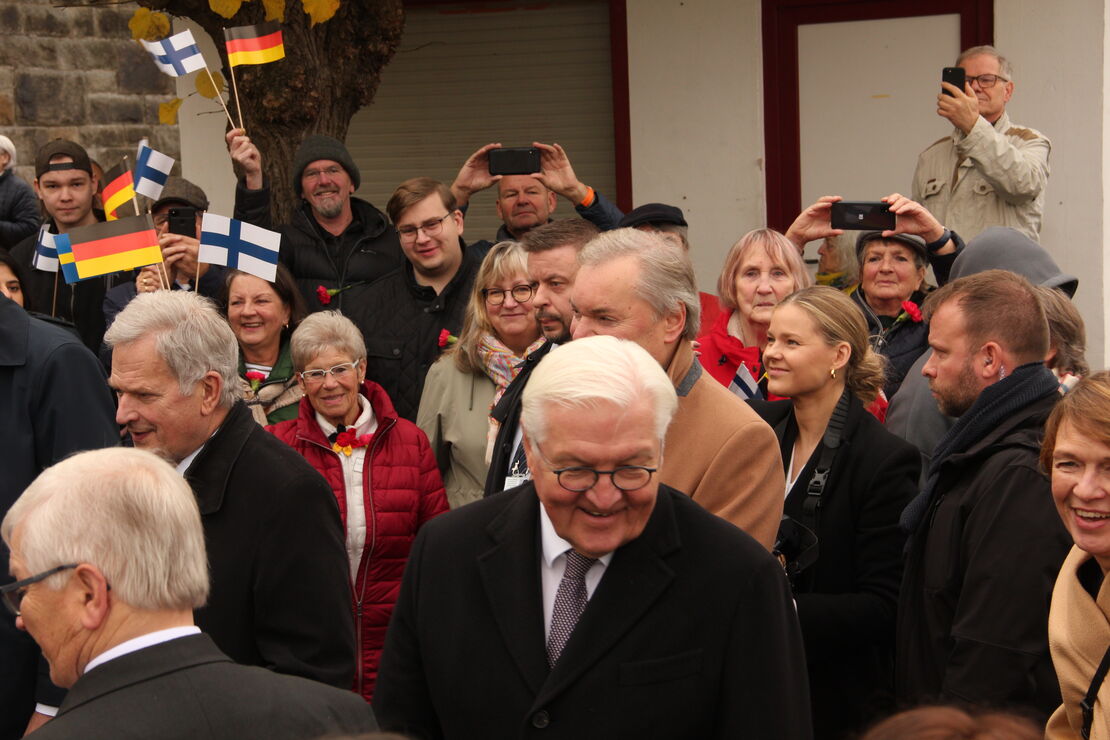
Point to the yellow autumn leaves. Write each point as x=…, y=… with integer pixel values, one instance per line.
x=318, y=11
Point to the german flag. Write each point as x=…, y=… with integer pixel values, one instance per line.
x=109, y=247
x=118, y=189
x=254, y=44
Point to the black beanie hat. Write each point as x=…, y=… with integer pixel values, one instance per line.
x=319, y=146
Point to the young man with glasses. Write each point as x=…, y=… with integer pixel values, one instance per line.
x=988, y=171
x=408, y=310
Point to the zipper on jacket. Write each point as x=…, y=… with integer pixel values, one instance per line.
x=367, y=549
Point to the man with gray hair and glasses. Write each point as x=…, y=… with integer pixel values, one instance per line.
x=109, y=551
x=280, y=596
x=593, y=601
x=988, y=171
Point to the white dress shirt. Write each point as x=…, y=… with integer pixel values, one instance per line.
x=139, y=643
x=553, y=564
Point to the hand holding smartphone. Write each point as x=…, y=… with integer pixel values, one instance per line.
x=953, y=76
x=861, y=216
x=521, y=160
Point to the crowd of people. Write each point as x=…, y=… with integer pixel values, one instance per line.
x=543, y=483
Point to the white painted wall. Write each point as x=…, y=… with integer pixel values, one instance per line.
x=696, y=104
x=1062, y=87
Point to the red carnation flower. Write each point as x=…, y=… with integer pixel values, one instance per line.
x=914, y=312
x=323, y=295
x=346, y=438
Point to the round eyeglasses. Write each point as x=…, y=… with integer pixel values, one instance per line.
x=430, y=228
x=520, y=294
x=624, y=477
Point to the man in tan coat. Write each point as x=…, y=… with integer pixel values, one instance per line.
x=633, y=285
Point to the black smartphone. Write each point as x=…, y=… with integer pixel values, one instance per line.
x=861, y=216
x=519, y=160
x=183, y=221
x=953, y=76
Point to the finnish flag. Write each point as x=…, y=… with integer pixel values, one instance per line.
x=151, y=170
x=46, y=250
x=243, y=246
x=177, y=55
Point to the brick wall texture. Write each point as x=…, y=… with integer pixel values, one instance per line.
x=75, y=73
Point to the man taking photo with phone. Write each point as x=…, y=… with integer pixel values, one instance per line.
x=988, y=171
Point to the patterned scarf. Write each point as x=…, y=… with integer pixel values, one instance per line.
x=501, y=365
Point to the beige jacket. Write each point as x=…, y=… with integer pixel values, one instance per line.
x=720, y=453
x=1078, y=635
x=454, y=413
x=993, y=176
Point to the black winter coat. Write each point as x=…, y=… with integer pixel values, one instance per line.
x=19, y=210
x=901, y=346
x=365, y=252
x=848, y=599
x=973, y=609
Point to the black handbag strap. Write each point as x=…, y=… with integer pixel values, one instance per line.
x=811, y=507
x=1087, y=706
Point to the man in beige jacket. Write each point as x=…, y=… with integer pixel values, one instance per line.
x=633, y=285
x=988, y=171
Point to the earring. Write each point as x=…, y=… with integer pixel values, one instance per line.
x=832, y=372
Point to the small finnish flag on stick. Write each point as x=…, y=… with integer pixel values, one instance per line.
x=225, y=241
x=177, y=55
x=151, y=170
x=46, y=250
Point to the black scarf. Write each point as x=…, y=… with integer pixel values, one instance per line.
x=1029, y=383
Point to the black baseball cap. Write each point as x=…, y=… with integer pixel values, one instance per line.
x=62, y=148
x=653, y=213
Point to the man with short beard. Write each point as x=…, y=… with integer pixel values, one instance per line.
x=336, y=244
x=985, y=541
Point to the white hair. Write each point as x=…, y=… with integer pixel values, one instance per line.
x=126, y=511
x=6, y=145
x=190, y=336
x=594, y=370
x=666, y=274
x=323, y=331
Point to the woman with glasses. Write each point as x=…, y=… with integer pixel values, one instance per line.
x=379, y=466
x=499, y=331
x=847, y=481
x=263, y=315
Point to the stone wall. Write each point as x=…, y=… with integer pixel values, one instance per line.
x=75, y=73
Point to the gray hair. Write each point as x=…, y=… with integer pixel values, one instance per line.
x=593, y=370
x=126, y=511
x=6, y=145
x=666, y=274
x=190, y=336
x=322, y=331
x=1004, y=67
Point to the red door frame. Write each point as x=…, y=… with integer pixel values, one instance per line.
x=781, y=18
x=618, y=50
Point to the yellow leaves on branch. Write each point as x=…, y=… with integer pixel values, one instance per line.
x=205, y=84
x=167, y=112
x=226, y=8
x=275, y=10
x=320, y=10
x=149, y=26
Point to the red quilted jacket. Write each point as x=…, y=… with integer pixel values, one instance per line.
x=402, y=489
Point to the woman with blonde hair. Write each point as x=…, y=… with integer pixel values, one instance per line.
x=1076, y=454
x=848, y=480
x=499, y=331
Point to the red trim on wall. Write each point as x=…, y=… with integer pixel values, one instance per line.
x=622, y=120
x=781, y=18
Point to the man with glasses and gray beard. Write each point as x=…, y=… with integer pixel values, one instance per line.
x=988, y=171
x=335, y=244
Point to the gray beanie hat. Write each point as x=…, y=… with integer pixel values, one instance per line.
x=319, y=146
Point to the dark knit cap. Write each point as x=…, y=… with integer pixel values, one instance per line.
x=653, y=213
x=913, y=241
x=319, y=146
x=62, y=148
x=179, y=190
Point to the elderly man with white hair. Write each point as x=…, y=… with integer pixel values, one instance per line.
x=109, y=551
x=280, y=587
x=19, y=209
x=593, y=601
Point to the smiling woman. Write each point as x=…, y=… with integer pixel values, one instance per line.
x=1076, y=453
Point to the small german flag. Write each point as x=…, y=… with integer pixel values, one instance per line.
x=118, y=189
x=254, y=44
x=109, y=247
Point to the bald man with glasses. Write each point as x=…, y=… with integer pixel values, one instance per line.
x=987, y=171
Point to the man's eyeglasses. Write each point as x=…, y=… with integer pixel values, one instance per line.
x=520, y=294
x=339, y=372
x=332, y=171
x=986, y=82
x=431, y=228
x=579, y=478
x=13, y=593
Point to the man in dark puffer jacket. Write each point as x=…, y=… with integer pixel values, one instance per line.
x=336, y=244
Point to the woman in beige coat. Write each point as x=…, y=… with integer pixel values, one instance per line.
x=1076, y=452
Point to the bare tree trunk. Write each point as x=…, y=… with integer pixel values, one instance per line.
x=329, y=72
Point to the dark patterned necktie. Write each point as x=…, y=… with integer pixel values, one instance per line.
x=570, y=602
